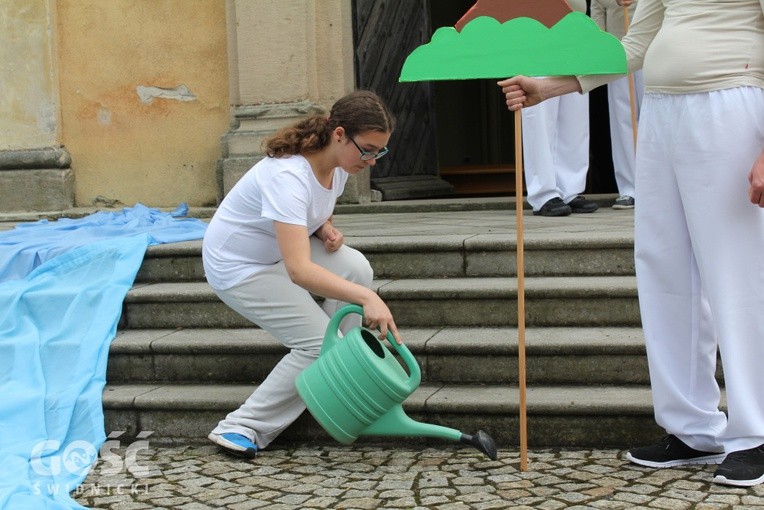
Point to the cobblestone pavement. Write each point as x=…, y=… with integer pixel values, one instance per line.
x=374, y=477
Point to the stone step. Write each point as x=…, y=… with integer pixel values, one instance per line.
x=582, y=356
x=441, y=256
x=615, y=416
x=466, y=302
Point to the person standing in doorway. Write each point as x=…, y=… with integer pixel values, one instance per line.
x=610, y=15
x=271, y=246
x=556, y=152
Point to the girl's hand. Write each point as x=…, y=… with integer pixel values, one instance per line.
x=332, y=238
x=376, y=315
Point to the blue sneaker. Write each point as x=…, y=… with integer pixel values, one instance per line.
x=235, y=444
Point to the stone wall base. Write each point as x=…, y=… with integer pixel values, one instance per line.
x=36, y=180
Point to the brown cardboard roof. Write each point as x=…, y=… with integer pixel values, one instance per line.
x=547, y=12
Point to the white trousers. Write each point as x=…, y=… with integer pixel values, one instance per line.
x=622, y=131
x=294, y=318
x=556, y=148
x=699, y=245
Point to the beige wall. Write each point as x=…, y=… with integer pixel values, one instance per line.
x=28, y=101
x=129, y=148
x=292, y=50
x=150, y=96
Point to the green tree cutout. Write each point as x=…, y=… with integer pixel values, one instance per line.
x=486, y=48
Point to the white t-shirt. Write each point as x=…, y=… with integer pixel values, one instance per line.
x=240, y=239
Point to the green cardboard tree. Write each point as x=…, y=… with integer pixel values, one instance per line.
x=485, y=47
x=504, y=38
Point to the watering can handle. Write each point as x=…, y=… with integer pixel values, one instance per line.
x=331, y=339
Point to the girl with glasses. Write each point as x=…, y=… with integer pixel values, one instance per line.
x=271, y=246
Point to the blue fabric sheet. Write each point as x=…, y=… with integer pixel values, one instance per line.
x=30, y=244
x=56, y=324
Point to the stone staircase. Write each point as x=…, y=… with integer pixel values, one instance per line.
x=182, y=359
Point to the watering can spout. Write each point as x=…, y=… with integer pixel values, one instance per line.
x=482, y=442
x=395, y=422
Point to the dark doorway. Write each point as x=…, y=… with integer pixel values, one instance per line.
x=453, y=137
x=475, y=130
x=385, y=33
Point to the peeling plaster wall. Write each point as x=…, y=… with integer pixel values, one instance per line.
x=28, y=116
x=144, y=98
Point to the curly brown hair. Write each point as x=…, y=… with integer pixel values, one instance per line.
x=357, y=112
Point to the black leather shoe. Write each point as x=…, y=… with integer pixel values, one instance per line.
x=582, y=205
x=554, y=207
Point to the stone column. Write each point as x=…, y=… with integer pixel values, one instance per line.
x=287, y=59
x=35, y=170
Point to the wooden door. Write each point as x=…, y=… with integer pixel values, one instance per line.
x=385, y=33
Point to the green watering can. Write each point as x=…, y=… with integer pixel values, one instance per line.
x=356, y=387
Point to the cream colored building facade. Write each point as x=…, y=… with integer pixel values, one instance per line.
x=157, y=101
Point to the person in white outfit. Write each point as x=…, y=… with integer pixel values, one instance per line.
x=556, y=152
x=699, y=224
x=610, y=16
x=271, y=246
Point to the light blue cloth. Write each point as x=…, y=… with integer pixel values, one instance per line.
x=56, y=324
x=30, y=244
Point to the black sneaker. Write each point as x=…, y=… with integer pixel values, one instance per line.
x=582, y=205
x=624, y=202
x=554, y=207
x=743, y=469
x=671, y=452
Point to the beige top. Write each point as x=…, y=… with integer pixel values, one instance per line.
x=687, y=46
x=609, y=16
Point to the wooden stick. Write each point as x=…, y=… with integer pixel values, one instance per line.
x=520, y=288
x=632, y=91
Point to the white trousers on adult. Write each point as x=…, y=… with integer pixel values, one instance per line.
x=622, y=130
x=699, y=245
x=556, y=148
x=289, y=313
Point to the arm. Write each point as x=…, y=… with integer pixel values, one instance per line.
x=756, y=179
x=294, y=245
x=598, y=14
x=522, y=92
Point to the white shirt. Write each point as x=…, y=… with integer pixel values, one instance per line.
x=240, y=239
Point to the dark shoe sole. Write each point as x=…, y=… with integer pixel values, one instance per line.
x=585, y=209
x=554, y=212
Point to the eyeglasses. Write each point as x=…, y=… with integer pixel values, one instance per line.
x=366, y=155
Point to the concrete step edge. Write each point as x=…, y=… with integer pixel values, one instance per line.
x=467, y=243
x=428, y=398
x=555, y=341
x=443, y=288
